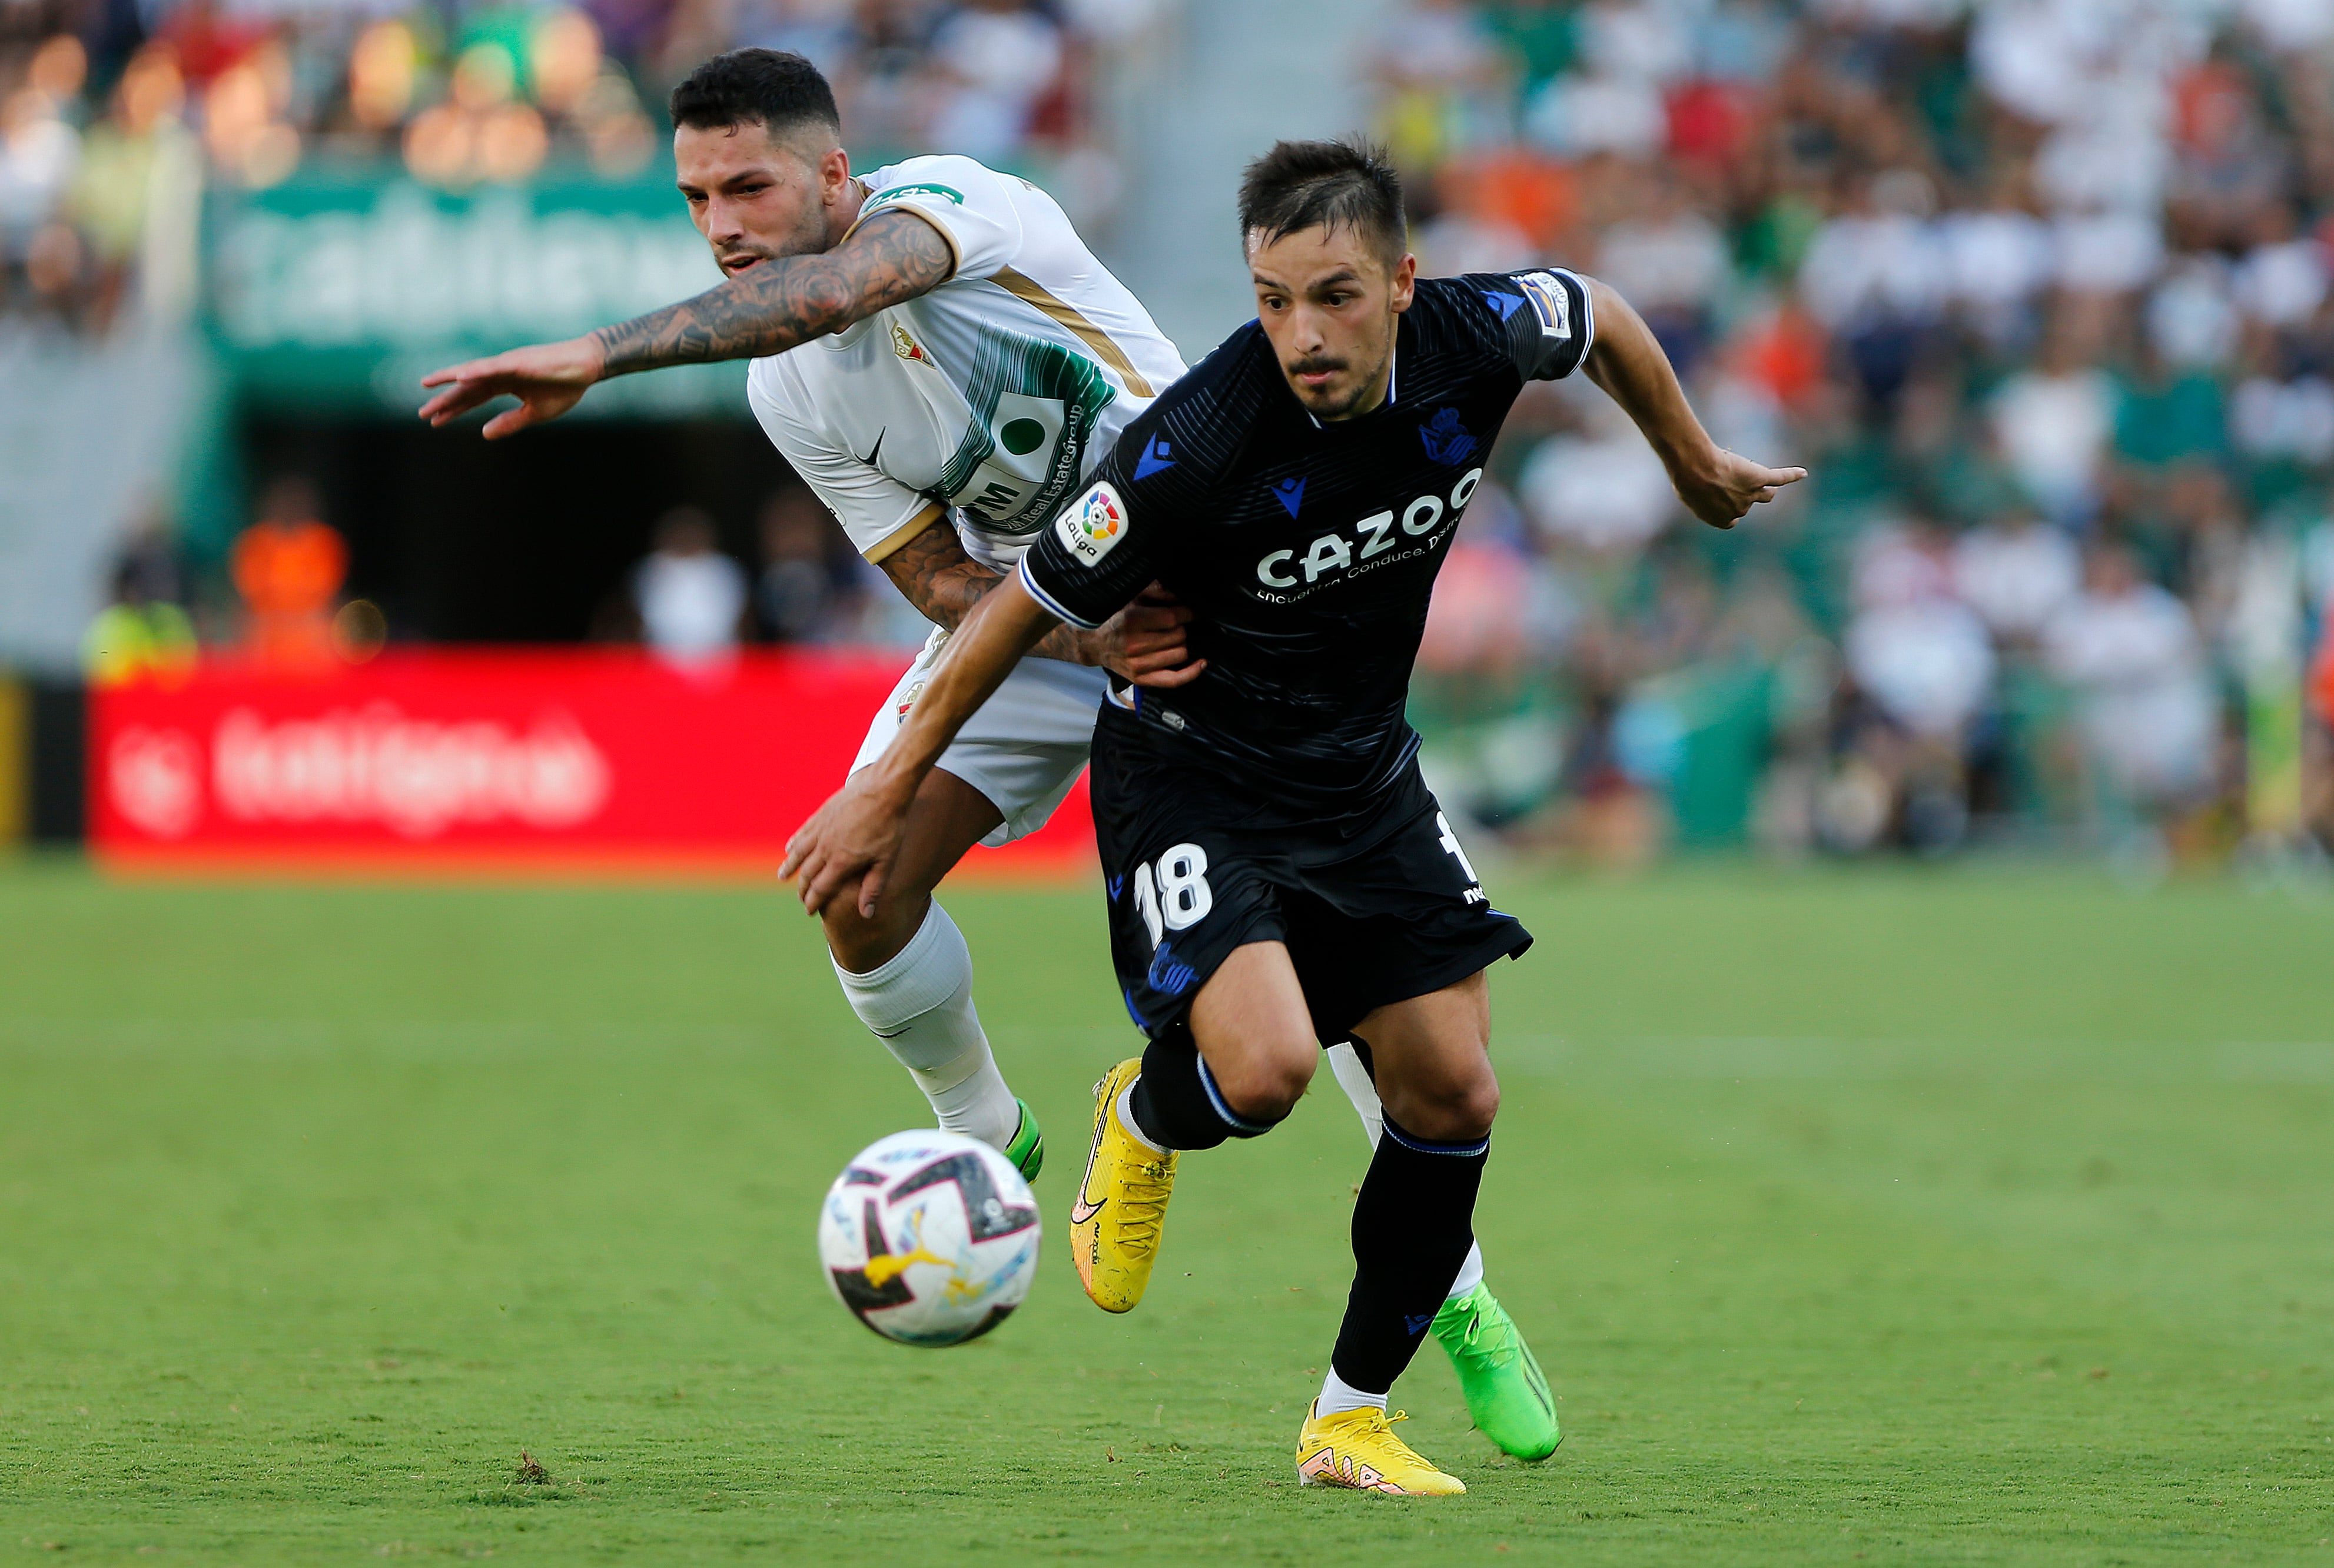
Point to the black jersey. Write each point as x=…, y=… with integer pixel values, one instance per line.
x=1307, y=550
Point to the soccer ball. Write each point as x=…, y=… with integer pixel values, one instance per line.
x=929, y=1238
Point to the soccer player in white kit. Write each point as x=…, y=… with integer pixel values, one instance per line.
x=942, y=358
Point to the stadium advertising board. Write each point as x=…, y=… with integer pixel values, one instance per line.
x=341, y=292
x=548, y=761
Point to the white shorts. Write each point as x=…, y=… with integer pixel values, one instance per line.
x=1026, y=747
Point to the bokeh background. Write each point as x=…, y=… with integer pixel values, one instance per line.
x=1878, y=1178
x=2039, y=291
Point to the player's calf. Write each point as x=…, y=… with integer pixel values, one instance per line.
x=919, y=1002
x=1414, y=1221
x=908, y=974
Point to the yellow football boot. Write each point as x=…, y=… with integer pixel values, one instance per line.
x=1358, y=1450
x=1121, y=1204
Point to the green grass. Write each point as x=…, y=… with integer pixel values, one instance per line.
x=1956, y=1218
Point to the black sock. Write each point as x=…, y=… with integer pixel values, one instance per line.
x=1176, y=1102
x=1412, y=1226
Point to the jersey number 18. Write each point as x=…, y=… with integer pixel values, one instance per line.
x=1178, y=896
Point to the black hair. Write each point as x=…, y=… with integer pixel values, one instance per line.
x=1302, y=185
x=771, y=87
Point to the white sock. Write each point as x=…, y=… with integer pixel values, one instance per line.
x=1125, y=1113
x=1471, y=1274
x=1338, y=1396
x=919, y=1002
x=1354, y=1080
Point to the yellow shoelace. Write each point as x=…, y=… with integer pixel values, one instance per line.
x=1384, y=1427
x=1143, y=1204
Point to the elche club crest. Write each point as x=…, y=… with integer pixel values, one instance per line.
x=907, y=348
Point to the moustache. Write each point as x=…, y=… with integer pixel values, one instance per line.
x=1315, y=366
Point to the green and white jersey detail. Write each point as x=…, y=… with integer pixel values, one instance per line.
x=994, y=395
x=1032, y=408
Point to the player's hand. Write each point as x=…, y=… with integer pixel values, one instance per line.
x=1730, y=486
x=1146, y=642
x=856, y=834
x=547, y=379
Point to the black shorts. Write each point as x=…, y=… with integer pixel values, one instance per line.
x=1376, y=906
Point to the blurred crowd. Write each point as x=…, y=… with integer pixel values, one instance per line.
x=688, y=600
x=2038, y=289
x=694, y=605
x=110, y=111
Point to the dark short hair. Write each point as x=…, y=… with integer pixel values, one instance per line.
x=769, y=87
x=1302, y=185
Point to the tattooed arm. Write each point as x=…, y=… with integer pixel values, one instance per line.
x=891, y=256
x=1144, y=642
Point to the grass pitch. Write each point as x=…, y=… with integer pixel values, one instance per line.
x=1961, y=1217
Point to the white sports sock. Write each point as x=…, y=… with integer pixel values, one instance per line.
x=1125, y=1112
x=919, y=1002
x=1338, y=1396
x=1354, y=1080
x=1471, y=1274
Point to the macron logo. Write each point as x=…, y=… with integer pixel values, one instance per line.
x=1506, y=304
x=1417, y=1325
x=1291, y=493
x=1155, y=457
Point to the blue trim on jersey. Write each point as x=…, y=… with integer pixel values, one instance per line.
x=1053, y=606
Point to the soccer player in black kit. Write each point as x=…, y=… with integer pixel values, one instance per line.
x=1277, y=873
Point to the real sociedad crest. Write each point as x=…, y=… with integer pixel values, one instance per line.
x=1447, y=440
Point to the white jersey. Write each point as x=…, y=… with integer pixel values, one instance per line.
x=993, y=396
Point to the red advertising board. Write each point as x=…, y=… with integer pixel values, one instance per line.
x=549, y=761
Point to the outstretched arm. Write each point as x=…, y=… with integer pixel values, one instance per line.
x=1717, y=485
x=892, y=257
x=858, y=829
x=1145, y=642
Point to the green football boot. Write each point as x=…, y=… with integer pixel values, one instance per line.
x=1506, y=1392
x=1027, y=1149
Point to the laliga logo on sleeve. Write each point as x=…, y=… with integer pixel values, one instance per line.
x=1093, y=525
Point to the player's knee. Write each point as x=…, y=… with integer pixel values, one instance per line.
x=1453, y=1107
x=1479, y=1105
x=861, y=943
x=1265, y=1086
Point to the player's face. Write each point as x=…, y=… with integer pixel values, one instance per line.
x=754, y=196
x=1330, y=304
